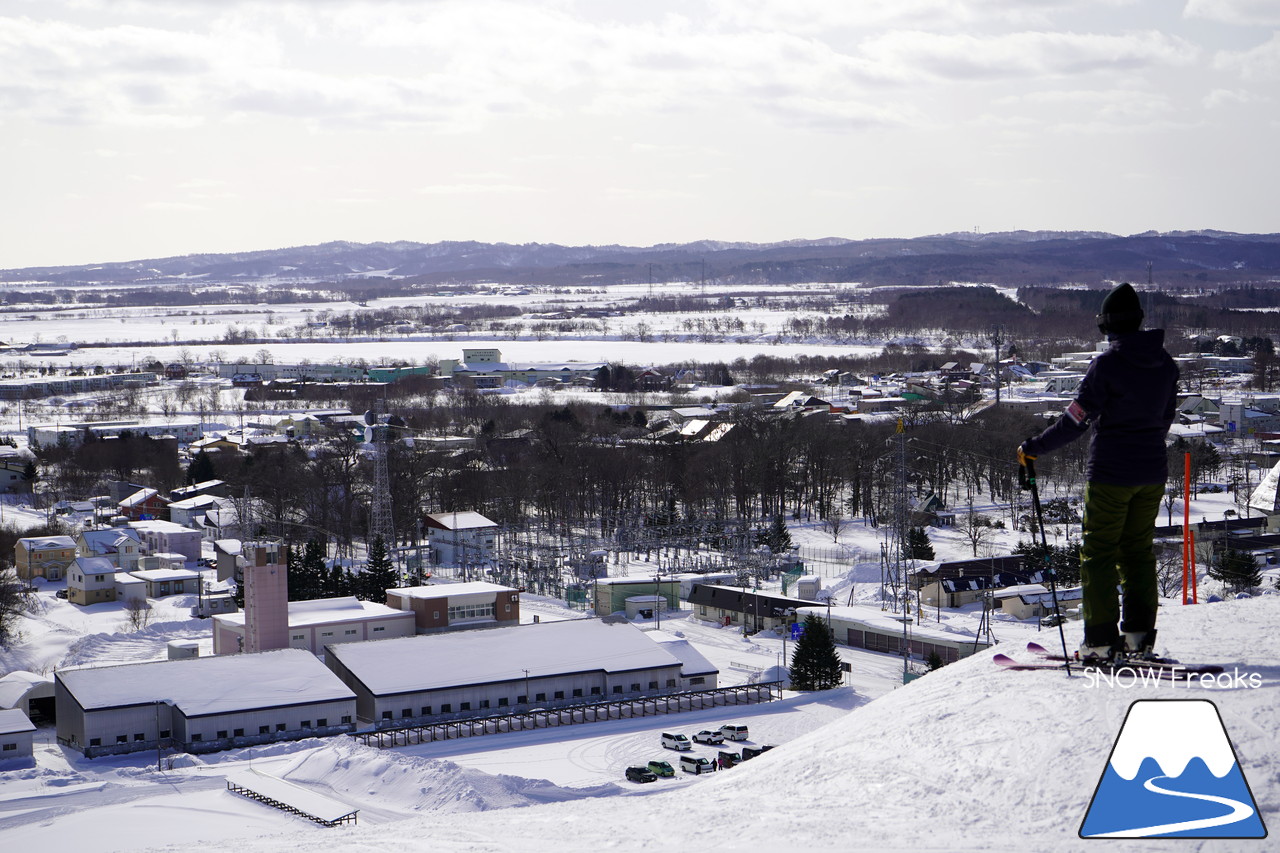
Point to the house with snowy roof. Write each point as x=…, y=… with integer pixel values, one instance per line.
x=165, y=537
x=43, y=556
x=200, y=704
x=189, y=512
x=122, y=546
x=144, y=504
x=1034, y=601
x=91, y=580
x=477, y=673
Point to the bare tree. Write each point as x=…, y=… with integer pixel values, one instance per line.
x=1168, y=570
x=137, y=614
x=975, y=529
x=834, y=523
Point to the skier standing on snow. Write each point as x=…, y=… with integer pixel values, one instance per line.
x=1128, y=396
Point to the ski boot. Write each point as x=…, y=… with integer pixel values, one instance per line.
x=1138, y=646
x=1096, y=655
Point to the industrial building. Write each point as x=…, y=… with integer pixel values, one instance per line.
x=200, y=704
x=316, y=624
x=454, y=606
x=880, y=631
x=460, y=538
x=477, y=673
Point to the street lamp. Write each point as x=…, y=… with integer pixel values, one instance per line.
x=906, y=648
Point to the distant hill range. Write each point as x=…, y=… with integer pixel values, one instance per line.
x=1175, y=259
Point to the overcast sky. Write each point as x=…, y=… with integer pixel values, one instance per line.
x=146, y=128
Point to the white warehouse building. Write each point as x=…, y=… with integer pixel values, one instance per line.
x=430, y=677
x=200, y=704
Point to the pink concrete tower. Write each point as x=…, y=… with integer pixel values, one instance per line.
x=266, y=596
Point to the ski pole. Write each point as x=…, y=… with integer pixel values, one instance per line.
x=1027, y=479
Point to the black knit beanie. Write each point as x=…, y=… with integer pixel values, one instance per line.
x=1121, y=311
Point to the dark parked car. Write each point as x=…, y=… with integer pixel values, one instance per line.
x=61, y=593
x=708, y=737
x=641, y=774
x=728, y=759
x=661, y=768
x=753, y=751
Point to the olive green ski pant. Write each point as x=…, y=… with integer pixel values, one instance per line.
x=1119, y=525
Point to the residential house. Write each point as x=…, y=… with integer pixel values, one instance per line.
x=120, y=545
x=13, y=478
x=190, y=512
x=43, y=556
x=165, y=537
x=91, y=580
x=1035, y=601
x=217, y=488
x=143, y=505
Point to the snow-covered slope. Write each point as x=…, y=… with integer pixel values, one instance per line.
x=971, y=757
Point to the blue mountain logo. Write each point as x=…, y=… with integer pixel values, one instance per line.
x=1173, y=774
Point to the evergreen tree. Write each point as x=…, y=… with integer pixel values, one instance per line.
x=1236, y=570
x=1064, y=560
x=301, y=586
x=917, y=545
x=379, y=574
x=777, y=537
x=307, y=573
x=815, y=665
x=200, y=469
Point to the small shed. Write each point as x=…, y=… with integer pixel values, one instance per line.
x=17, y=733
x=644, y=606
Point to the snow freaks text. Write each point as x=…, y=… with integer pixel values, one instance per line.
x=1128, y=677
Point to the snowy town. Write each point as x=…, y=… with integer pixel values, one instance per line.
x=530, y=426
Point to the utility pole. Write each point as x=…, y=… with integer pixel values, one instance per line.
x=997, y=339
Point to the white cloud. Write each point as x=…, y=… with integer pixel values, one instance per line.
x=475, y=189
x=1231, y=97
x=1024, y=54
x=1244, y=12
x=1259, y=63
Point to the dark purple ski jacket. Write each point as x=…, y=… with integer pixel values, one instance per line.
x=1129, y=395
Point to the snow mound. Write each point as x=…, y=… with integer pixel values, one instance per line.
x=387, y=780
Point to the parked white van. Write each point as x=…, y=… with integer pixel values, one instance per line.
x=733, y=731
x=695, y=764
x=676, y=741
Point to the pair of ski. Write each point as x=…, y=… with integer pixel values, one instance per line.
x=1165, y=668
